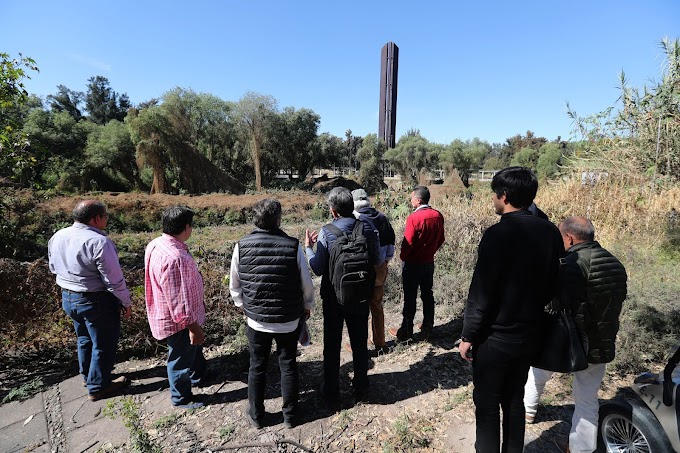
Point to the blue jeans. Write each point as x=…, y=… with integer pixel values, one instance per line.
x=186, y=366
x=96, y=320
x=414, y=276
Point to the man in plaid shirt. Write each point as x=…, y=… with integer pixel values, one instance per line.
x=174, y=304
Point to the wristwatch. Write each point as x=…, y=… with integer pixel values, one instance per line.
x=464, y=340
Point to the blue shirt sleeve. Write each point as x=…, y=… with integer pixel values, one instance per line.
x=318, y=261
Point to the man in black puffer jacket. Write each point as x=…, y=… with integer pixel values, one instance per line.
x=594, y=282
x=270, y=281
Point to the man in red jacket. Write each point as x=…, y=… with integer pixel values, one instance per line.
x=423, y=235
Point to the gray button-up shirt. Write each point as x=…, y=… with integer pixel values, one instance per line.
x=85, y=260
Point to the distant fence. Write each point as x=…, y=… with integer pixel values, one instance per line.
x=388, y=172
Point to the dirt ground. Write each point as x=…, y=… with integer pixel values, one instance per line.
x=420, y=400
x=420, y=392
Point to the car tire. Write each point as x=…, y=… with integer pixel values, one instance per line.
x=624, y=422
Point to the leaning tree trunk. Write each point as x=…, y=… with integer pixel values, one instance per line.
x=256, y=163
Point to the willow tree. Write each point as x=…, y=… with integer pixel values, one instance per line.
x=254, y=114
x=146, y=129
x=641, y=133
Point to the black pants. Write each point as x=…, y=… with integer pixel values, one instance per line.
x=260, y=345
x=356, y=317
x=414, y=276
x=500, y=370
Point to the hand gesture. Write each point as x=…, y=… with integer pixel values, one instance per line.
x=310, y=238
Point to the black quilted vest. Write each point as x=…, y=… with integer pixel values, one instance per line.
x=270, y=278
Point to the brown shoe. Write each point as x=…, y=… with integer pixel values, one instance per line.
x=113, y=387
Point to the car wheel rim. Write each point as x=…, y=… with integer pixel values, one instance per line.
x=621, y=436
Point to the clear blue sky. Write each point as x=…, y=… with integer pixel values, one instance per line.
x=487, y=69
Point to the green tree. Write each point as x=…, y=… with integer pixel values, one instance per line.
x=68, y=101
x=15, y=157
x=169, y=138
x=58, y=142
x=330, y=149
x=102, y=103
x=294, y=138
x=641, y=134
x=525, y=157
x=465, y=157
x=371, y=157
x=411, y=155
x=254, y=115
x=110, y=149
x=547, y=164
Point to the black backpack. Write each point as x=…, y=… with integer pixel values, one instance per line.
x=350, y=270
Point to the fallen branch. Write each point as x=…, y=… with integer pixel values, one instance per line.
x=273, y=444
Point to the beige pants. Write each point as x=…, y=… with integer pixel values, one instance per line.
x=376, y=306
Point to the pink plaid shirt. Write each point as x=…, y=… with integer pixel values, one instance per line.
x=173, y=287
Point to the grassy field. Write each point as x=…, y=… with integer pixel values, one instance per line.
x=634, y=222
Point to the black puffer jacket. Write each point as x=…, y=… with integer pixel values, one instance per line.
x=595, y=282
x=270, y=276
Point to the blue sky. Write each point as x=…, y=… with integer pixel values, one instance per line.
x=487, y=69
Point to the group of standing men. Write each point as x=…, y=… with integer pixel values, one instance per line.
x=94, y=295
x=269, y=280
x=521, y=267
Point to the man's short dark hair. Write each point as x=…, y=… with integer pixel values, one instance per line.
x=87, y=210
x=422, y=193
x=519, y=184
x=266, y=214
x=341, y=201
x=582, y=228
x=176, y=219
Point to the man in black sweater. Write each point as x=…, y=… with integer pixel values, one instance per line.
x=516, y=276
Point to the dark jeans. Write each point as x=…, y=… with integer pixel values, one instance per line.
x=186, y=366
x=260, y=345
x=500, y=370
x=96, y=320
x=412, y=277
x=356, y=317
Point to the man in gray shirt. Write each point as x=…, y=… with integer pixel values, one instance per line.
x=94, y=294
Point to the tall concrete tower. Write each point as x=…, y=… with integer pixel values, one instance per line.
x=389, y=65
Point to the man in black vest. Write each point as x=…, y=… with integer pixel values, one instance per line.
x=515, y=277
x=354, y=314
x=594, y=282
x=271, y=282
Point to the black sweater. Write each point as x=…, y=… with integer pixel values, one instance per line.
x=516, y=276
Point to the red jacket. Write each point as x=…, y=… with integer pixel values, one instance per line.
x=423, y=235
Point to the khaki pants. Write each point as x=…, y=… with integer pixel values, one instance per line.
x=376, y=306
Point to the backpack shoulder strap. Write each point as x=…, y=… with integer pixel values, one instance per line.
x=358, y=228
x=335, y=230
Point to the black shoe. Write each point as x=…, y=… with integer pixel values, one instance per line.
x=257, y=424
x=401, y=334
x=289, y=424
x=425, y=331
x=361, y=396
x=190, y=402
x=331, y=400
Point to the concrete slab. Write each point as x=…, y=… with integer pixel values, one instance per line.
x=16, y=411
x=92, y=436
x=72, y=389
x=81, y=411
x=25, y=437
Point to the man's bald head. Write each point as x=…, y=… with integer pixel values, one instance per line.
x=580, y=228
x=87, y=210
